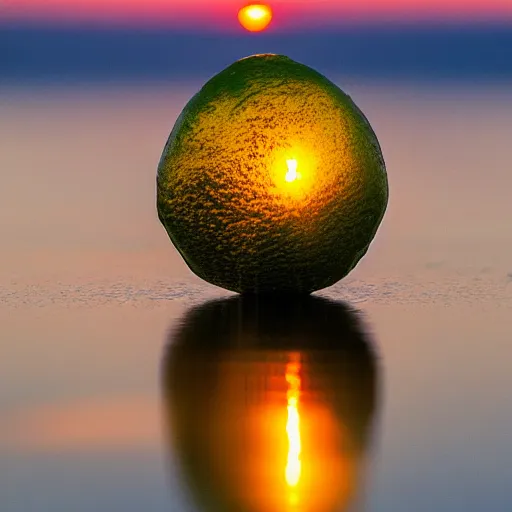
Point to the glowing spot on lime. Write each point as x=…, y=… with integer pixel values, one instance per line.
x=292, y=173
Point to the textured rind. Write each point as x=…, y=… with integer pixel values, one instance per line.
x=217, y=196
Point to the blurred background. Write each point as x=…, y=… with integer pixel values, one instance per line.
x=90, y=41
x=90, y=285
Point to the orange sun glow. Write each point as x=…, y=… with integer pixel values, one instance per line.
x=255, y=18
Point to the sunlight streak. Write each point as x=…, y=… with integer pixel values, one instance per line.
x=293, y=465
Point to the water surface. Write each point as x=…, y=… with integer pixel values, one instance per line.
x=98, y=308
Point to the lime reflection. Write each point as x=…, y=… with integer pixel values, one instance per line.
x=270, y=404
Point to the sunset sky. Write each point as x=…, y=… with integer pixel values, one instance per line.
x=221, y=14
x=148, y=40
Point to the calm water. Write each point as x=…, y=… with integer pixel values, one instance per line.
x=128, y=384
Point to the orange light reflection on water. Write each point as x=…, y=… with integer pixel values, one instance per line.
x=293, y=465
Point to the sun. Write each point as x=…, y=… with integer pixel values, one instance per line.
x=255, y=17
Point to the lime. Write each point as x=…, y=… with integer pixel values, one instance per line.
x=272, y=179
